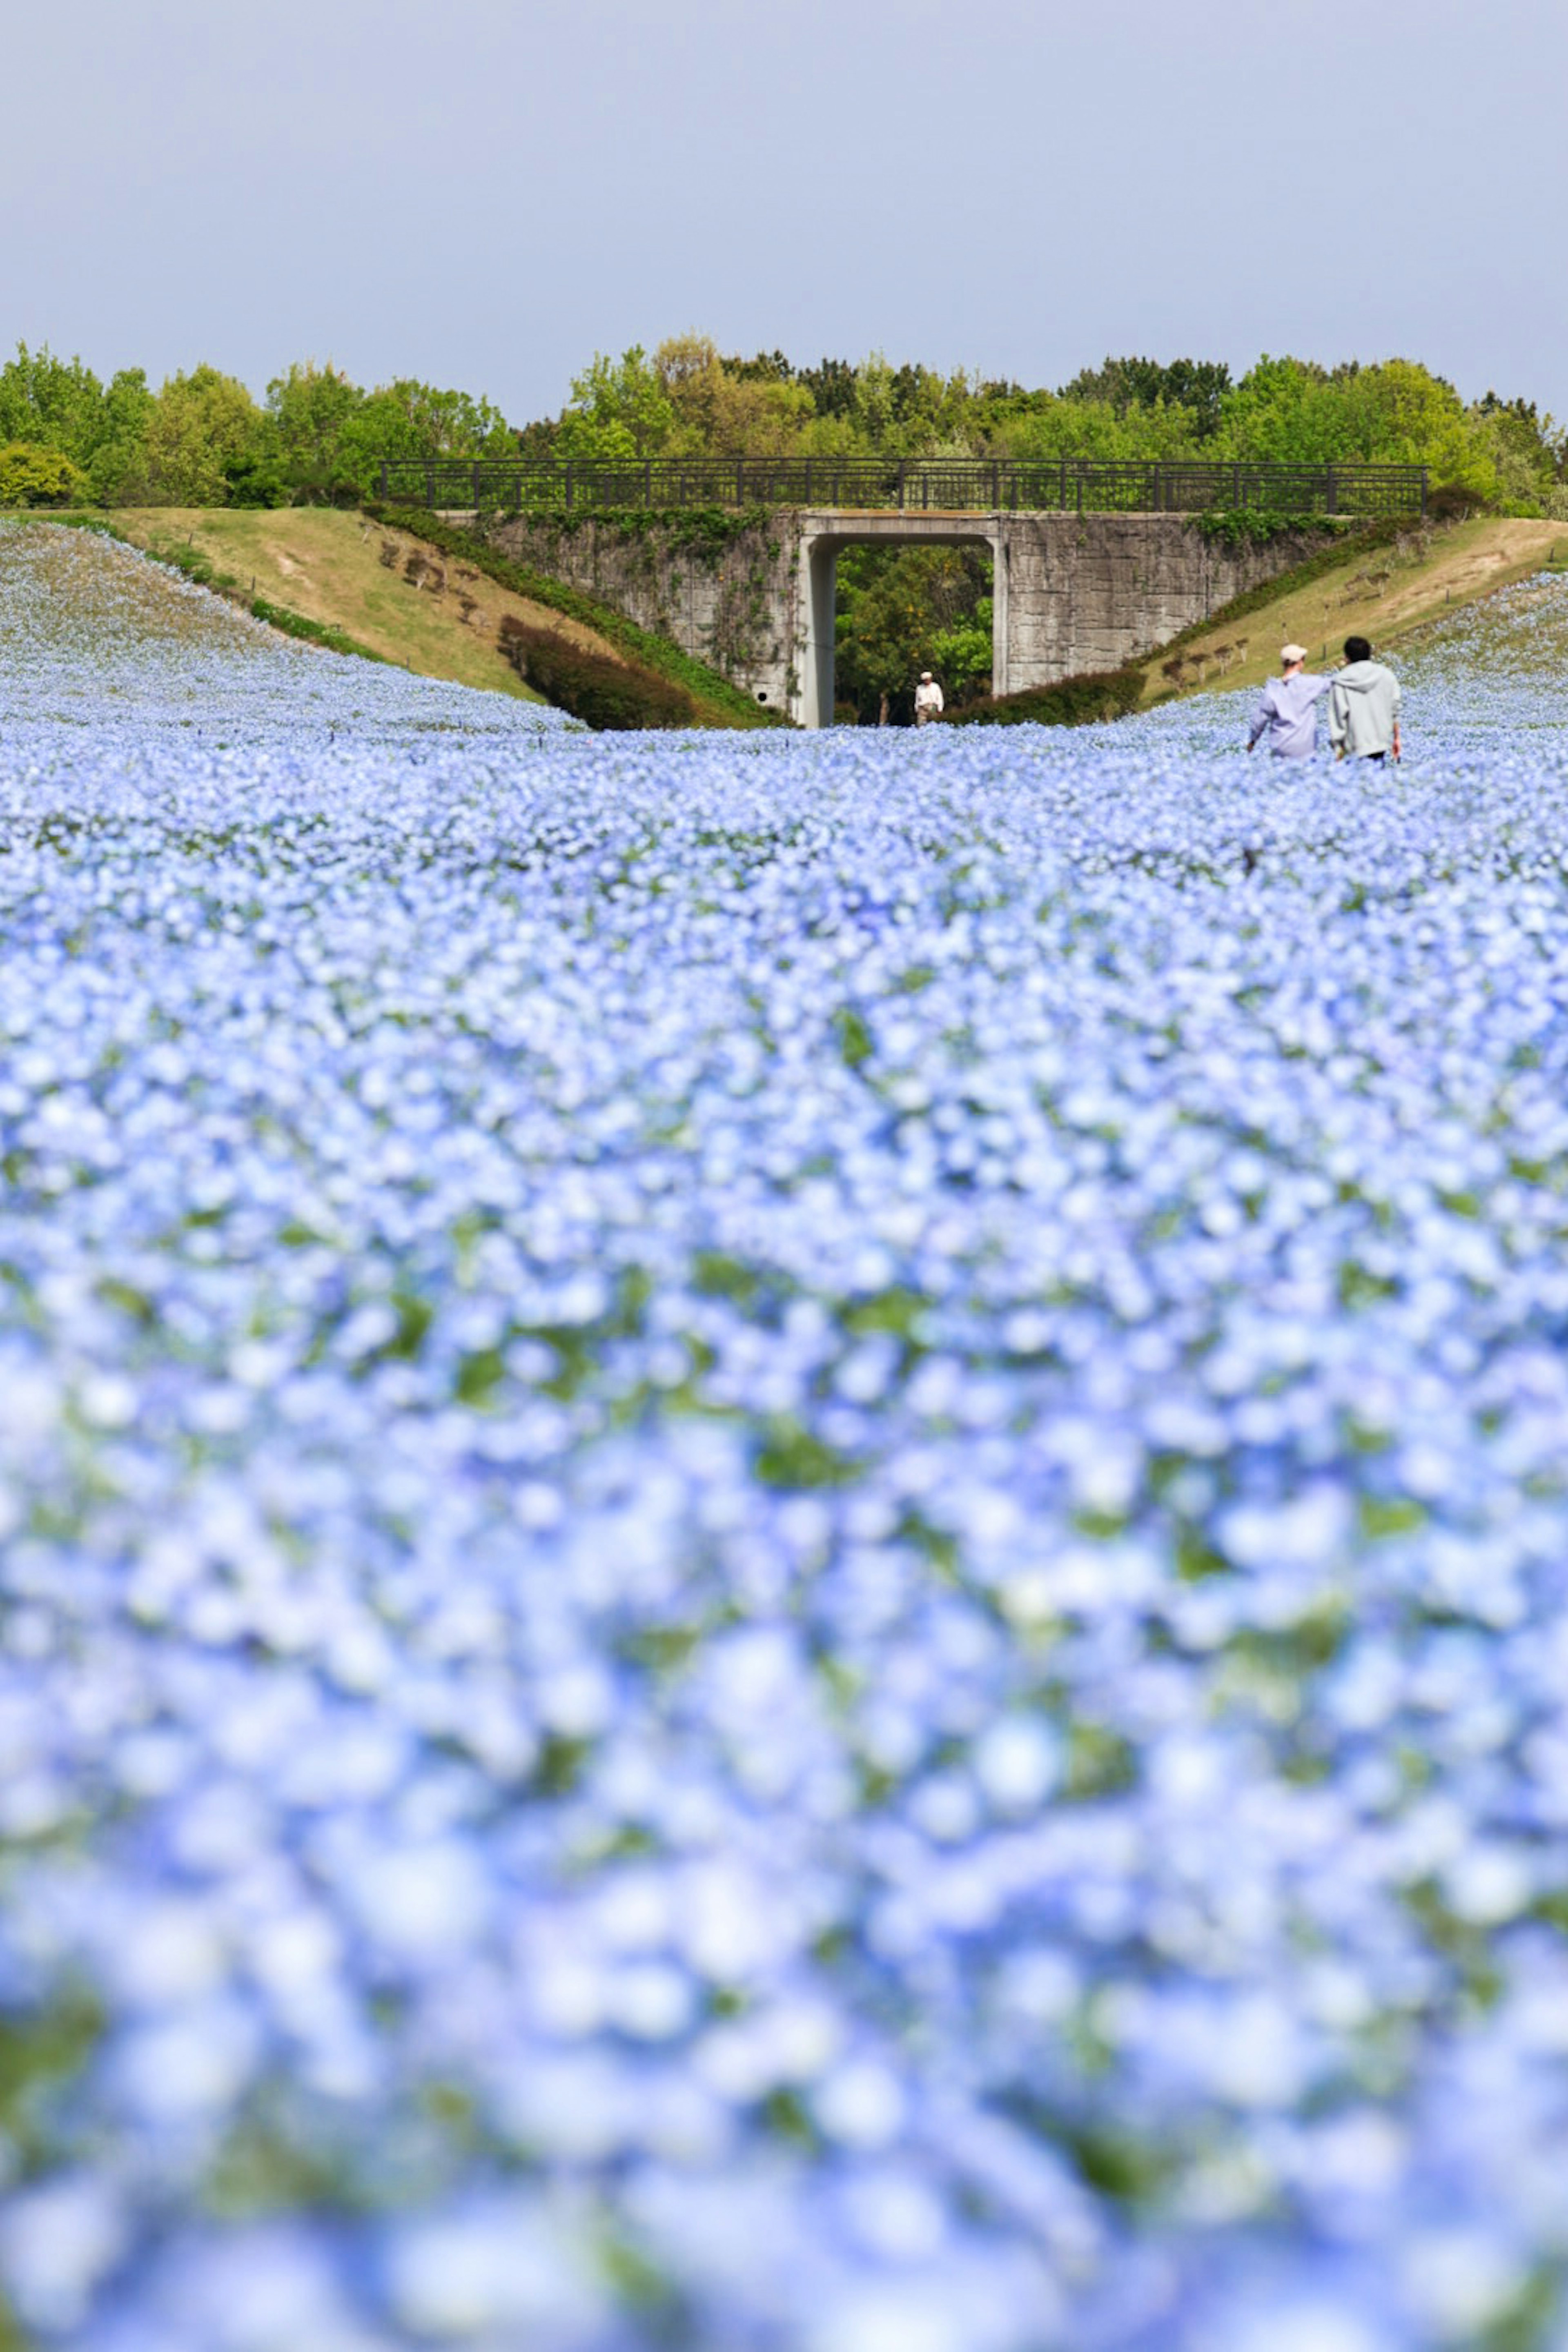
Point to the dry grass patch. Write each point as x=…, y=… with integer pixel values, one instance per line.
x=387, y=589
x=1382, y=596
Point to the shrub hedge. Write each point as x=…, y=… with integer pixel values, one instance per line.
x=32, y=476
x=605, y=694
x=1080, y=701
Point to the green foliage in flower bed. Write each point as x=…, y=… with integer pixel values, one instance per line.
x=99, y=523
x=314, y=633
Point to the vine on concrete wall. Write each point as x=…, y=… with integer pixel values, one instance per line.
x=707, y=533
x=1239, y=527
x=738, y=637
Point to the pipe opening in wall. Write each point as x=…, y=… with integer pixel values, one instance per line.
x=761, y=694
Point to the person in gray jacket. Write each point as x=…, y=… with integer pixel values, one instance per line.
x=1286, y=711
x=1364, y=707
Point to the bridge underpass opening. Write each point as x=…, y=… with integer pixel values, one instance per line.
x=902, y=610
x=820, y=550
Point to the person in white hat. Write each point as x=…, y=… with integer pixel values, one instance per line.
x=1286, y=711
x=928, y=700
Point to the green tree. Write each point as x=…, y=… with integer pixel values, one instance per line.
x=831, y=385
x=311, y=406
x=1289, y=411
x=716, y=412
x=1199, y=386
x=33, y=476
x=1043, y=427
x=618, y=409
x=1528, y=450
x=409, y=419
x=960, y=656
x=907, y=609
x=51, y=403
x=200, y=425
x=117, y=468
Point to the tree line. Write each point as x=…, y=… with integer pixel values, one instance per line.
x=202, y=439
x=687, y=399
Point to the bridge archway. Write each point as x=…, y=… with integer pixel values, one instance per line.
x=822, y=535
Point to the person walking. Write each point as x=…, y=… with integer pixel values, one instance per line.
x=928, y=700
x=1364, y=707
x=1287, y=711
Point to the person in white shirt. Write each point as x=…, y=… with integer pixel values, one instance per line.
x=928, y=700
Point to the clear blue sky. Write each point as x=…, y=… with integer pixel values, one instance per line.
x=485, y=195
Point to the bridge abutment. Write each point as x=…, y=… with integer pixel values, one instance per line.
x=1072, y=592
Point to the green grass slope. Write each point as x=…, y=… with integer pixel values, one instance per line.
x=1382, y=586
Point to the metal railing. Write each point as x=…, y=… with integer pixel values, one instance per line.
x=905, y=484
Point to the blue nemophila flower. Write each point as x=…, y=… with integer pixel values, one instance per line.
x=782, y=1519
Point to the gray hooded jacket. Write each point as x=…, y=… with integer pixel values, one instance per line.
x=1363, y=710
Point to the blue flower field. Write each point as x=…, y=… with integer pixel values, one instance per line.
x=784, y=1518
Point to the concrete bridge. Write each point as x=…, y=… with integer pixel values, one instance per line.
x=1070, y=592
x=1093, y=563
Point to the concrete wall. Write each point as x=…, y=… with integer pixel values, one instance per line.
x=1072, y=591
x=732, y=605
x=1091, y=591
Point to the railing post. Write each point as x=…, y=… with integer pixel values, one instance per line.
x=995, y=487
x=1422, y=493
x=568, y=485
x=808, y=481
x=739, y=481
x=648, y=483
x=429, y=485
x=1081, y=486
x=901, y=463
x=476, y=486
x=1333, y=506
x=1062, y=499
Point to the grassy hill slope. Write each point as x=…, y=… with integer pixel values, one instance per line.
x=1384, y=594
x=436, y=603
x=379, y=587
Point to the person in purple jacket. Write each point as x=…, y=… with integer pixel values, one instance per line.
x=1286, y=711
